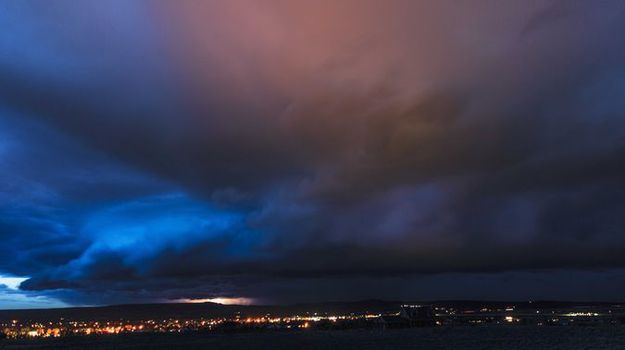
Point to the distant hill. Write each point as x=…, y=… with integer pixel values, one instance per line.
x=213, y=310
x=182, y=311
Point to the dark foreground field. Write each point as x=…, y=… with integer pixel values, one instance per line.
x=511, y=338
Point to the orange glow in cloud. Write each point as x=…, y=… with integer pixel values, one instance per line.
x=224, y=301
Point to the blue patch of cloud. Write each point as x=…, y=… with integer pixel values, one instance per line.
x=144, y=227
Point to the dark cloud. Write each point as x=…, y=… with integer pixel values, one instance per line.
x=270, y=149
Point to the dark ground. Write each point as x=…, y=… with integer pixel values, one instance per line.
x=520, y=337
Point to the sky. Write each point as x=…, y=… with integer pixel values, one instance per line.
x=278, y=151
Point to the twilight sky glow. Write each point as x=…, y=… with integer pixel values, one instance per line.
x=296, y=151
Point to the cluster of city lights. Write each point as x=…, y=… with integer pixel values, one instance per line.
x=17, y=329
x=440, y=316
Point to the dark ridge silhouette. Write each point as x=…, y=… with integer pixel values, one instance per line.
x=195, y=311
x=214, y=310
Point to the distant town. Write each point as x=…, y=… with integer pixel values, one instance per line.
x=362, y=315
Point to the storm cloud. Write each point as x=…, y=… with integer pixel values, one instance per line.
x=296, y=151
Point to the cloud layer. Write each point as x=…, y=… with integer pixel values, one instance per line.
x=269, y=150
